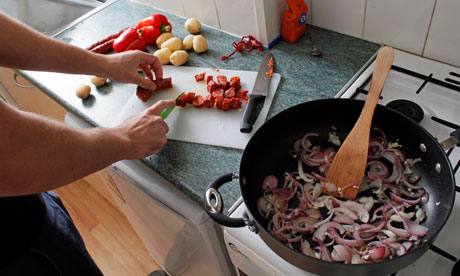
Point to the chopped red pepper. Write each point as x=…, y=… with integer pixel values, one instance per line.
x=230, y=93
x=209, y=78
x=189, y=97
x=235, y=103
x=198, y=101
x=243, y=95
x=226, y=104
x=218, y=92
x=182, y=100
x=222, y=80
x=208, y=102
x=200, y=77
x=143, y=94
x=219, y=102
x=211, y=86
x=271, y=64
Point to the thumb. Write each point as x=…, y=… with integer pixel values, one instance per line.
x=159, y=106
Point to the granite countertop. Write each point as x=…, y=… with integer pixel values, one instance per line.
x=189, y=166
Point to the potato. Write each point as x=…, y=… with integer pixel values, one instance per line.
x=178, y=57
x=200, y=44
x=187, y=43
x=83, y=91
x=174, y=43
x=162, y=38
x=163, y=55
x=192, y=25
x=98, y=81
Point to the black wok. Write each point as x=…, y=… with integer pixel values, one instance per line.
x=267, y=153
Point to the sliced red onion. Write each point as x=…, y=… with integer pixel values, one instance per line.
x=343, y=219
x=377, y=252
x=403, y=233
x=319, y=233
x=270, y=183
x=341, y=253
x=346, y=212
x=359, y=209
x=414, y=228
x=377, y=170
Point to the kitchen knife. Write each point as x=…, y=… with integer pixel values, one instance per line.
x=168, y=110
x=257, y=95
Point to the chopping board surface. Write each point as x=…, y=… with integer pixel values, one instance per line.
x=202, y=125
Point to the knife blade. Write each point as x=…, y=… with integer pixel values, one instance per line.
x=168, y=110
x=258, y=94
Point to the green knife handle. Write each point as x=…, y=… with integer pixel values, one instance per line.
x=249, y=115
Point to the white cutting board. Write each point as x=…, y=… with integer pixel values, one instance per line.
x=202, y=125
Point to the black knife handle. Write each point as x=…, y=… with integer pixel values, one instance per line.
x=249, y=115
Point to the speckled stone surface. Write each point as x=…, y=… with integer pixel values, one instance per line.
x=188, y=166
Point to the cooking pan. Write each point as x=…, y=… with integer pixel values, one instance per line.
x=267, y=153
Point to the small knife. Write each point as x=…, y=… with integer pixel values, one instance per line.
x=258, y=94
x=168, y=110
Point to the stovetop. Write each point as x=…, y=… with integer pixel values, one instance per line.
x=429, y=93
x=435, y=88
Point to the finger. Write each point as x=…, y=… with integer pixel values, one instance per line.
x=154, y=63
x=147, y=71
x=147, y=84
x=159, y=106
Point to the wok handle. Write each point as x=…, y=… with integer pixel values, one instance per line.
x=213, y=203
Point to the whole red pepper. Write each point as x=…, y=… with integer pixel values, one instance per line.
x=149, y=34
x=130, y=39
x=156, y=20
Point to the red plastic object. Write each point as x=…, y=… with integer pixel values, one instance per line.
x=294, y=20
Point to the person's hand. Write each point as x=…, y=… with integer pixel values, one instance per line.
x=146, y=132
x=123, y=68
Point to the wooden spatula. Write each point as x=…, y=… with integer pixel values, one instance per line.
x=347, y=170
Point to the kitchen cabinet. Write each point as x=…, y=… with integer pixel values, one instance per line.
x=29, y=98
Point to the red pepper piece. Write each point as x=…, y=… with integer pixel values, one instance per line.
x=208, y=101
x=235, y=103
x=209, y=78
x=230, y=93
x=189, y=97
x=149, y=34
x=236, y=78
x=219, y=102
x=198, y=101
x=211, y=86
x=163, y=83
x=156, y=20
x=235, y=83
x=218, y=92
x=182, y=100
x=226, y=104
x=200, y=77
x=129, y=40
x=143, y=94
x=243, y=95
x=223, y=82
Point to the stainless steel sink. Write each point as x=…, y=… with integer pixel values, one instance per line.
x=48, y=16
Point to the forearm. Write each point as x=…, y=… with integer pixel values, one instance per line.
x=38, y=154
x=25, y=48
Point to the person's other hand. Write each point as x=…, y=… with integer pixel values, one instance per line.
x=123, y=68
x=146, y=132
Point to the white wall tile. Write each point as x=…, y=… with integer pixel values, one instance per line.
x=343, y=16
x=402, y=24
x=443, y=41
x=237, y=17
x=204, y=10
x=171, y=6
